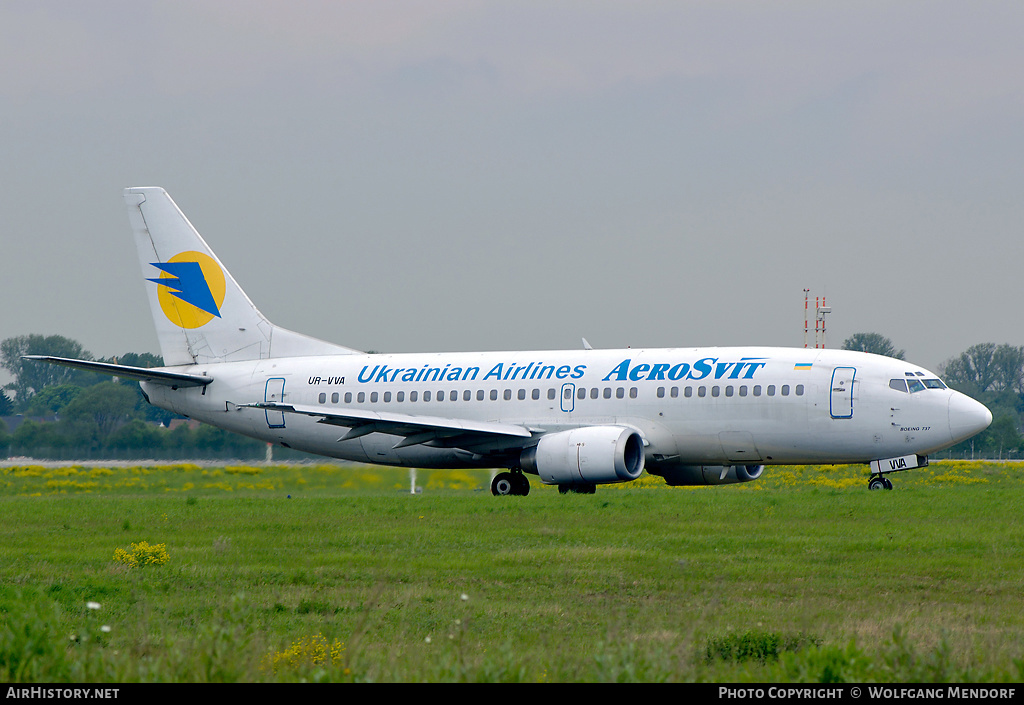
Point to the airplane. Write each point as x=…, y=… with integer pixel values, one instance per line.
x=573, y=418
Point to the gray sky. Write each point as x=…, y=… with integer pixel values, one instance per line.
x=405, y=176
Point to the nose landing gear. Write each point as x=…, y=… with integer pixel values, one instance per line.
x=880, y=468
x=879, y=482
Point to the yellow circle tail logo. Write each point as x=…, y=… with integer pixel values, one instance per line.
x=190, y=289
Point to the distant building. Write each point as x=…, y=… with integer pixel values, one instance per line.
x=191, y=423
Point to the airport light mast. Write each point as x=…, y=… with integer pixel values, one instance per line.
x=820, y=311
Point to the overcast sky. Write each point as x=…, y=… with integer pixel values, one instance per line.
x=404, y=176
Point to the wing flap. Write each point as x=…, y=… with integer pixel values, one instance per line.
x=414, y=429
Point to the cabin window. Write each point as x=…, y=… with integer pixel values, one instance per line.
x=688, y=392
x=785, y=390
x=771, y=390
x=426, y=396
x=715, y=391
x=373, y=397
x=728, y=390
x=607, y=393
x=632, y=392
x=494, y=395
x=467, y=395
x=535, y=394
x=362, y=397
x=551, y=393
x=334, y=398
x=399, y=396
x=566, y=393
x=387, y=396
x=348, y=397
x=412, y=396
x=595, y=393
x=620, y=393
x=479, y=395
x=507, y=394
x=661, y=392
x=799, y=390
x=743, y=390
x=521, y=394
x=757, y=390
x=323, y=398
x=674, y=392
x=702, y=391
x=581, y=393
x=453, y=396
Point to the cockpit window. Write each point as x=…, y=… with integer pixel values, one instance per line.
x=914, y=384
x=899, y=385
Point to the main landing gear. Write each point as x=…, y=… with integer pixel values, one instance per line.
x=879, y=482
x=577, y=489
x=513, y=483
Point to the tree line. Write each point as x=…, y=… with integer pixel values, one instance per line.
x=74, y=414
x=67, y=413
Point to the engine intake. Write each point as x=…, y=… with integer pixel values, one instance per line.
x=589, y=455
x=682, y=475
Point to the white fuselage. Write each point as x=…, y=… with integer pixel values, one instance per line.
x=692, y=406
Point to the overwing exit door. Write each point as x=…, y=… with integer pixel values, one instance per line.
x=568, y=397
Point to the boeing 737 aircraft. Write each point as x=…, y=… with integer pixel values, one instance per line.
x=575, y=418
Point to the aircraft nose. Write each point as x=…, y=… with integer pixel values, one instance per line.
x=966, y=417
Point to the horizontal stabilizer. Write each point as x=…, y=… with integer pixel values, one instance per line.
x=170, y=379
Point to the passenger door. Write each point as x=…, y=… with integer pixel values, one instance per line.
x=841, y=396
x=274, y=394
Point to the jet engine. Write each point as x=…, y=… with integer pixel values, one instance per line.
x=679, y=475
x=589, y=455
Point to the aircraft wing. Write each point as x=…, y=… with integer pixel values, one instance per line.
x=437, y=431
x=170, y=379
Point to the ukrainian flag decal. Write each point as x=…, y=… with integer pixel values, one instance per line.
x=802, y=366
x=190, y=289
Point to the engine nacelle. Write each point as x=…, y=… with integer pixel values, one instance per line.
x=681, y=475
x=590, y=455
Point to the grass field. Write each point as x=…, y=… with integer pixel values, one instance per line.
x=325, y=572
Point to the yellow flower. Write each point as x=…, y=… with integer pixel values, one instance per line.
x=142, y=554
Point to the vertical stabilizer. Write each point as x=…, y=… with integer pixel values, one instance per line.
x=200, y=312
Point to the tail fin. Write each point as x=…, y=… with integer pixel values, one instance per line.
x=200, y=312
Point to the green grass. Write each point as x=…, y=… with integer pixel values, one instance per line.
x=803, y=575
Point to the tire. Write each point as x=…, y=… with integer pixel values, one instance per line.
x=503, y=484
x=522, y=485
x=577, y=489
